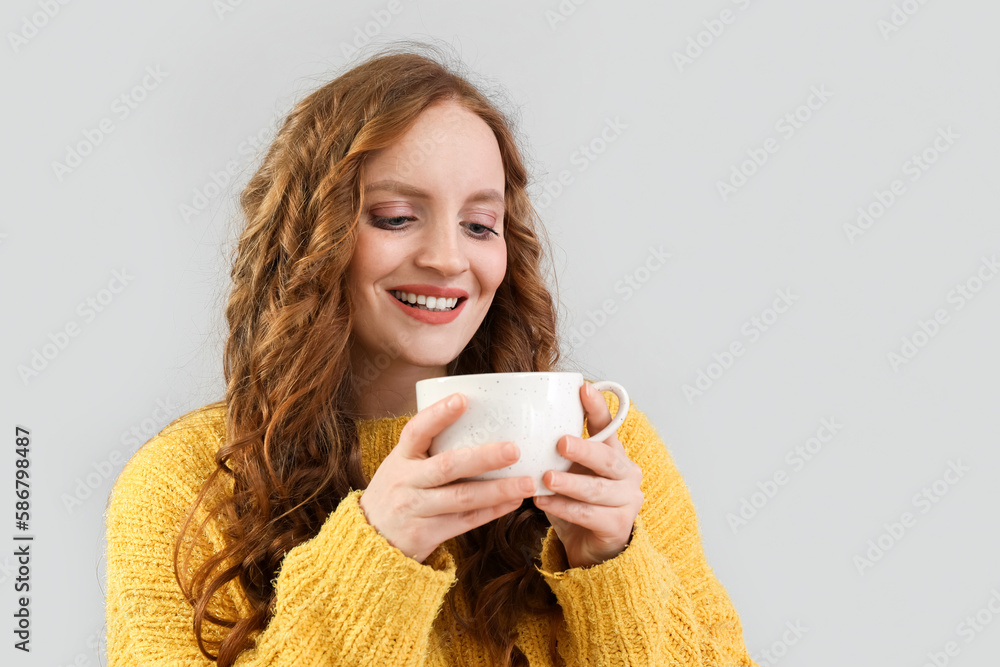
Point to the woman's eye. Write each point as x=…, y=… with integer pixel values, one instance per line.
x=479, y=232
x=393, y=222
x=483, y=231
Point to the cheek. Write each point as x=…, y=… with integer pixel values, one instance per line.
x=354, y=278
x=493, y=267
x=367, y=263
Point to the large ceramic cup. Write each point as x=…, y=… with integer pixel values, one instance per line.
x=533, y=410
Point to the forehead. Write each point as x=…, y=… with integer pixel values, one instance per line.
x=445, y=123
x=446, y=145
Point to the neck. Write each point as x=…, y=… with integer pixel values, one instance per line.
x=389, y=392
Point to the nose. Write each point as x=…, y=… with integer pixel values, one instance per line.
x=441, y=248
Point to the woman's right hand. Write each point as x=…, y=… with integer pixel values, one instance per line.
x=411, y=502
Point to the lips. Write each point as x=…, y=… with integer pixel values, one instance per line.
x=431, y=316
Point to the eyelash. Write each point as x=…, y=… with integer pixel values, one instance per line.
x=383, y=223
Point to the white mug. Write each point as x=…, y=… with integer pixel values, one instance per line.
x=532, y=410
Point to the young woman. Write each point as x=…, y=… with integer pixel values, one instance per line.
x=390, y=238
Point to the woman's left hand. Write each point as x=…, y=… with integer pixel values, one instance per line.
x=598, y=498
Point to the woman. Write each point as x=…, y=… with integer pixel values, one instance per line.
x=301, y=520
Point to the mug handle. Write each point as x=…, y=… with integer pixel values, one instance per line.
x=623, y=404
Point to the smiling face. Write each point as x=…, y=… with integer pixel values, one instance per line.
x=432, y=225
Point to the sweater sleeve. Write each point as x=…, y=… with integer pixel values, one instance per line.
x=344, y=597
x=658, y=602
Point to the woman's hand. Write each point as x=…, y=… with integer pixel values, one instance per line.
x=410, y=500
x=598, y=499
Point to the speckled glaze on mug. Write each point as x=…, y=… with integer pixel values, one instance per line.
x=533, y=410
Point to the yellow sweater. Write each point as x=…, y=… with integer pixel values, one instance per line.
x=348, y=597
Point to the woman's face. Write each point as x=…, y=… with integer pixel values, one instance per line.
x=432, y=226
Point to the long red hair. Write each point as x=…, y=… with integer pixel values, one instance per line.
x=291, y=448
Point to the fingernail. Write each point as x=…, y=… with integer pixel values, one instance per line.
x=568, y=447
x=590, y=389
x=454, y=401
x=510, y=450
x=528, y=485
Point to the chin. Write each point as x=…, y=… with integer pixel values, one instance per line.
x=433, y=362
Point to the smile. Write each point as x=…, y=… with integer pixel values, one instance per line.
x=435, y=304
x=422, y=313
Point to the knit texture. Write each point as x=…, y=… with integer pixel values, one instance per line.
x=347, y=597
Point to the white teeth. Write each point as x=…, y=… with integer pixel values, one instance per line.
x=426, y=302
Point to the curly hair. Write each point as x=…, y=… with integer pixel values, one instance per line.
x=291, y=451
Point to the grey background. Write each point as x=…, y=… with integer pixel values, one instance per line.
x=230, y=72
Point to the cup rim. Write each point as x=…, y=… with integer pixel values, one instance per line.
x=499, y=375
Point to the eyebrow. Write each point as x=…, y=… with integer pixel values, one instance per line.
x=488, y=195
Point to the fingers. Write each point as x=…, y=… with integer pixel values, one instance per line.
x=470, y=519
x=599, y=519
x=593, y=490
x=485, y=515
x=468, y=497
x=616, y=483
x=440, y=497
x=415, y=438
x=446, y=467
x=610, y=462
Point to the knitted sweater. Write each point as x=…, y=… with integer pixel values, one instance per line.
x=347, y=597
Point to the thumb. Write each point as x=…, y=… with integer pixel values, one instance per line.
x=596, y=409
x=415, y=439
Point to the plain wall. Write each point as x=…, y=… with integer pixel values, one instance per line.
x=811, y=185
